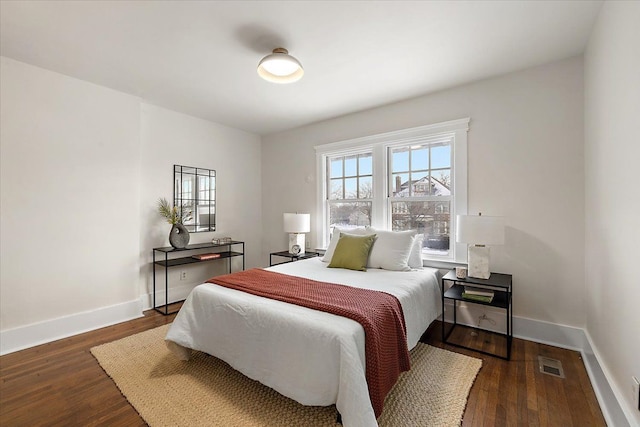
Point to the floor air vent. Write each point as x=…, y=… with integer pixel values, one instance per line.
x=550, y=366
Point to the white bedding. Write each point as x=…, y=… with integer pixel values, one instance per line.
x=313, y=357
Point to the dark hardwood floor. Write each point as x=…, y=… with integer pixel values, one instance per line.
x=61, y=384
x=515, y=392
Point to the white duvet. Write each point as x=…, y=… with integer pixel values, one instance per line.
x=313, y=357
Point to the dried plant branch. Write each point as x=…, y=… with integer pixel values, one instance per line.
x=176, y=214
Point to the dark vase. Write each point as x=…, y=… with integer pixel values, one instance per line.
x=179, y=236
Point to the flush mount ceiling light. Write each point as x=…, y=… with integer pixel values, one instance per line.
x=280, y=67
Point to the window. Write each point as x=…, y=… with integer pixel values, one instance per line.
x=350, y=190
x=414, y=179
x=420, y=193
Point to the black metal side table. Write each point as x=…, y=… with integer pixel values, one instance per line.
x=500, y=284
x=292, y=257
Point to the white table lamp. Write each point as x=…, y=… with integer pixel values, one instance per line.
x=296, y=224
x=478, y=231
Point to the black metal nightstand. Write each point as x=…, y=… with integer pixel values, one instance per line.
x=292, y=257
x=500, y=284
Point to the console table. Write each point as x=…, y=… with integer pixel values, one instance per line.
x=171, y=257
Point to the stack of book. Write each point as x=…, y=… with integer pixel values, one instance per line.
x=477, y=294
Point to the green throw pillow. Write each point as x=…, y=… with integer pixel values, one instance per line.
x=352, y=252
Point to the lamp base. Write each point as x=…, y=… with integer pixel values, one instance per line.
x=478, y=262
x=296, y=244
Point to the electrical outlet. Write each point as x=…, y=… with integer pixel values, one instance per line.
x=308, y=244
x=636, y=392
x=183, y=275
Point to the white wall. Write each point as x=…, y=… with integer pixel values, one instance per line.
x=82, y=169
x=70, y=168
x=170, y=138
x=612, y=152
x=525, y=162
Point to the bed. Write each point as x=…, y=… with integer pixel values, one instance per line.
x=313, y=357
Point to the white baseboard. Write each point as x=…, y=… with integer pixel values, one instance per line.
x=557, y=335
x=578, y=339
x=176, y=293
x=12, y=340
x=607, y=392
x=23, y=337
x=554, y=334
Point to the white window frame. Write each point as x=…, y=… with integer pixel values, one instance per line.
x=379, y=145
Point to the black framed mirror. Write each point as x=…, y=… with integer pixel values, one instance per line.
x=195, y=189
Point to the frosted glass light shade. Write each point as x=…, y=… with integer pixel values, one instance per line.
x=297, y=223
x=280, y=67
x=480, y=229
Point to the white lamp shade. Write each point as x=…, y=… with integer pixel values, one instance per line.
x=297, y=223
x=480, y=229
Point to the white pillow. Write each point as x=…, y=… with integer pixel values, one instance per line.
x=391, y=250
x=336, y=236
x=415, y=259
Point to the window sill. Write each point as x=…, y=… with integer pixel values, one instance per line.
x=442, y=263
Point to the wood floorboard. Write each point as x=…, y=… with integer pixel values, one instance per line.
x=61, y=384
x=515, y=393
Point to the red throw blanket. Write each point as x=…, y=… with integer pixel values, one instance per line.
x=379, y=313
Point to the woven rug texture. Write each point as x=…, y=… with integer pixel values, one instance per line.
x=206, y=391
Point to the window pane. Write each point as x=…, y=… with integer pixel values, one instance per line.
x=350, y=214
x=335, y=192
x=366, y=188
x=429, y=218
x=351, y=177
x=336, y=168
x=400, y=185
x=420, y=186
x=441, y=157
x=366, y=164
x=441, y=182
x=400, y=160
x=350, y=166
x=351, y=188
x=420, y=158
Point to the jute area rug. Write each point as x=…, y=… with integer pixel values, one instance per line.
x=205, y=391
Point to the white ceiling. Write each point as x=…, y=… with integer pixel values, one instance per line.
x=200, y=57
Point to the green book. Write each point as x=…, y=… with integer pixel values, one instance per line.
x=473, y=297
x=470, y=290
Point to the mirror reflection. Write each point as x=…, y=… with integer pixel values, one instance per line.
x=195, y=188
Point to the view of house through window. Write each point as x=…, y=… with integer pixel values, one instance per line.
x=420, y=193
